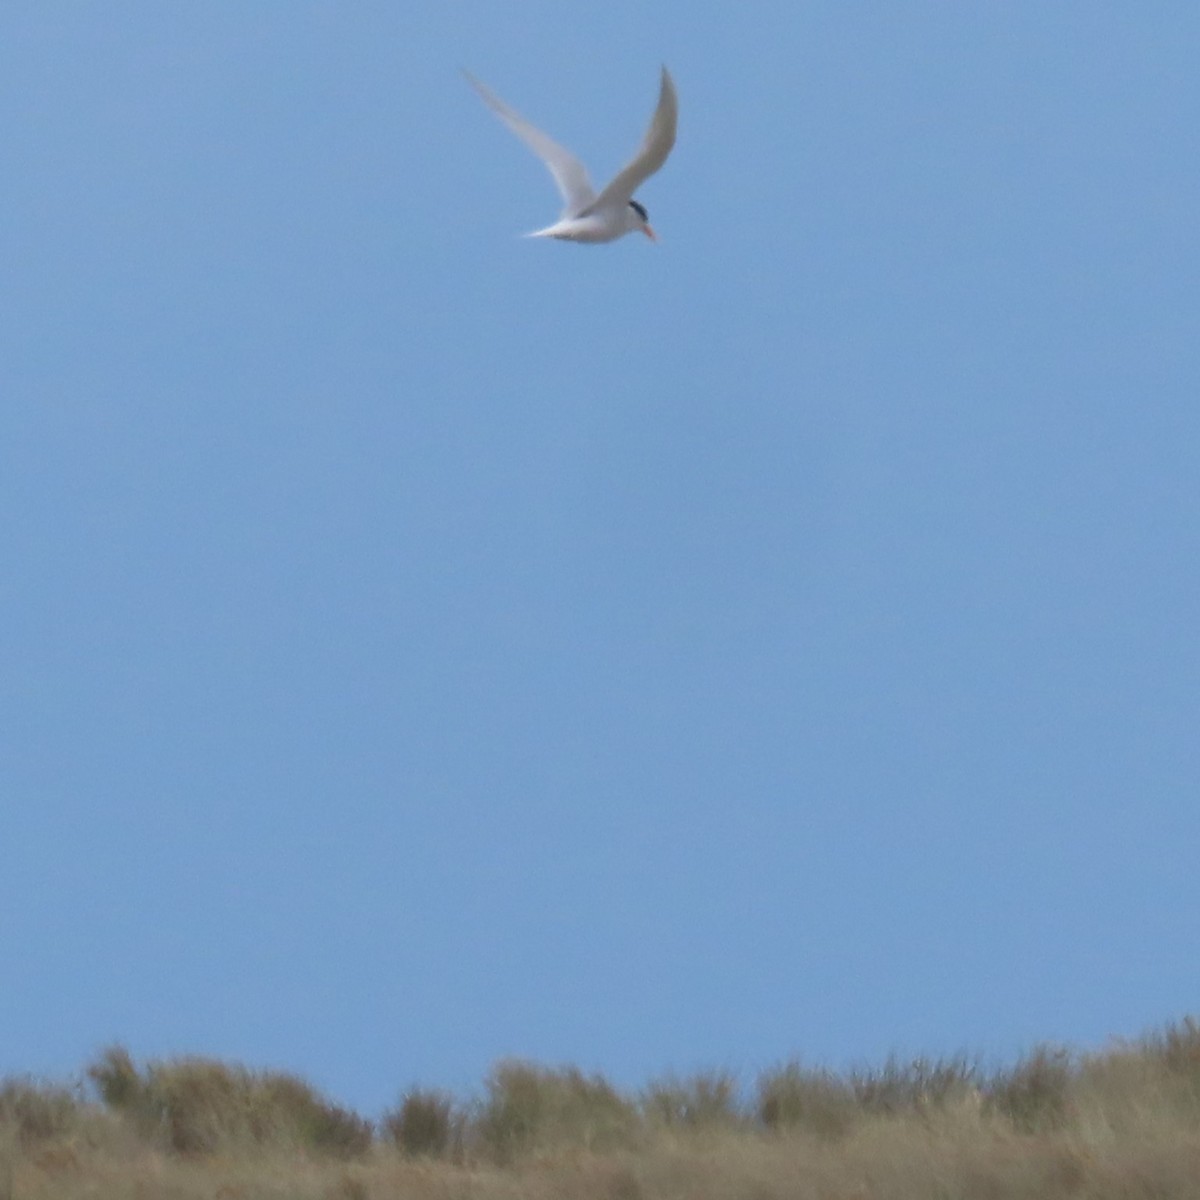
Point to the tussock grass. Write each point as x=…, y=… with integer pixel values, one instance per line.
x=916, y=1086
x=202, y=1106
x=1123, y=1122
x=1036, y=1095
x=708, y=1100
x=33, y=1112
x=799, y=1099
x=426, y=1124
x=531, y=1109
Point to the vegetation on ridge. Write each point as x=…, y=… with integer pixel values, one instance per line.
x=1121, y=1122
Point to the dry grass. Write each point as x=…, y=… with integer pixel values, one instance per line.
x=530, y=1110
x=1122, y=1123
x=199, y=1106
x=426, y=1124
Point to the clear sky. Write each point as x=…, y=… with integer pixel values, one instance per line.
x=419, y=645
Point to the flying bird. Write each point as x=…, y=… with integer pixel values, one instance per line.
x=588, y=215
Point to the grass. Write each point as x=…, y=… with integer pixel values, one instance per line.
x=1122, y=1122
x=425, y=1124
x=200, y=1106
x=530, y=1110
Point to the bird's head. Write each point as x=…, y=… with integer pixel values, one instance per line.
x=639, y=220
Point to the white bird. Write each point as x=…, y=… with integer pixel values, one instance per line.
x=590, y=216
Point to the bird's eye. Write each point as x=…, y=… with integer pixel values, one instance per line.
x=637, y=208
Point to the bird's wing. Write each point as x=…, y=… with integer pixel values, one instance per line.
x=569, y=173
x=655, y=147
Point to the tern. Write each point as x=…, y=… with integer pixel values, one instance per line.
x=588, y=215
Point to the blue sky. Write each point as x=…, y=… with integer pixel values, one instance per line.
x=419, y=645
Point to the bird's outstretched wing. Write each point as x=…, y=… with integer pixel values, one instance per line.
x=655, y=147
x=569, y=173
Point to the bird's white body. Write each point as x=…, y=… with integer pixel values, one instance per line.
x=604, y=225
x=590, y=216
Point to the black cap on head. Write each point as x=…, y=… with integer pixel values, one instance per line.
x=637, y=208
